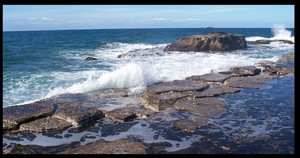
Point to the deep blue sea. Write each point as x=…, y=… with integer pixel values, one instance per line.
x=41, y=64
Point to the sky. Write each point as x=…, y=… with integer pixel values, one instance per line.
x=65, y=17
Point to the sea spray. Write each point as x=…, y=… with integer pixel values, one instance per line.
x=132, y=75
x=279, y=32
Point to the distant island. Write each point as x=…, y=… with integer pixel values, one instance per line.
x=209, y=27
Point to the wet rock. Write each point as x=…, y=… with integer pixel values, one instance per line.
x=204, y=107
x=269, y=41
x=70, y=97
x=214, y=41
x=210, y=77
x=141, y=113
x=247, y=82
x=45, y=124
x=21, y=149
x=158, y=102
x=284, y=71
x=124, y=114
x=278, y=68
x=141, y=53
x=177, y=86
x=13, y=116
x=77, y=114
x=213, y=91
x=266, y=64
x=90, y=59
x=242, y=71
x=120, y=146
x=287, y=60
x=190, y=125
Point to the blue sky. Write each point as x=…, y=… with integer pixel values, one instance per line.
x=63, y=17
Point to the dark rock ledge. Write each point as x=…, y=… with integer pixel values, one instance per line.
x=269, y=41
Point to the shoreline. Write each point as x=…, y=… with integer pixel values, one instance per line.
x=133, y=111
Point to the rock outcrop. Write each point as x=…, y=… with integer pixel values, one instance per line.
x=269, y=41
x=214, y=41
x=90, y=59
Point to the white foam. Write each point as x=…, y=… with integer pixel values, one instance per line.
x=131, y=75
x=112, y=50
x=136, y=75
x=279, y=32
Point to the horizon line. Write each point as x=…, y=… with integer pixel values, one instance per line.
x=150, y=28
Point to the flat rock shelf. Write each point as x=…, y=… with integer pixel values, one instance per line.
x=201, y=114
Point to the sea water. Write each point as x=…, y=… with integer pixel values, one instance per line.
x=42, y=64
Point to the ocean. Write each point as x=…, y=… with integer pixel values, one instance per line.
x=42, y=64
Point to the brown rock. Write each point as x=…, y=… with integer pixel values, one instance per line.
x=269, y=41
x=77, y=114
x=158, y=102
x=276, y=68
x=120, y=146
x=141, y=113
x=13, y=116
x=242, y=71
x=45, y=124
x=287, y=60
x=214, y=91
x=214, y=41
x=210, y=77
x=177, y=86
x=247, y=82
x=140, y=53
x=204, y=107
x=190, y=125
x=124, y=114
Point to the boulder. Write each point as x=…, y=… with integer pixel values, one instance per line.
x=269, y=41
x=204, y=107
x=214, y=41
x=13, y=116
x=120, y=146
x=210, y=77
x=242, y=71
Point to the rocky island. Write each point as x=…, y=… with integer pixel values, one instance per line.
x=214, y=41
